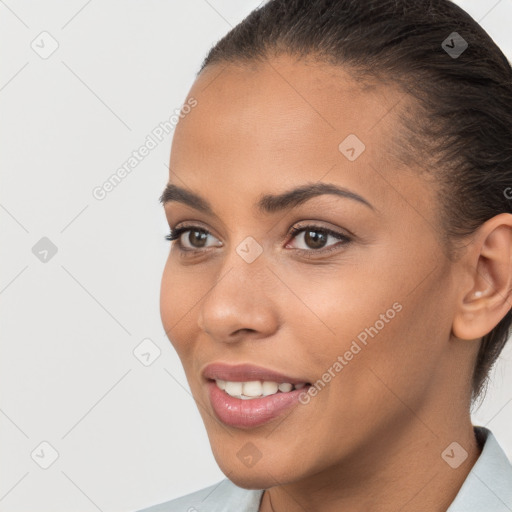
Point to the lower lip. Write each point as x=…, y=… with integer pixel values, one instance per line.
x=239, y=413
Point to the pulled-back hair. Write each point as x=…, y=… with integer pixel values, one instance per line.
x=460, y=126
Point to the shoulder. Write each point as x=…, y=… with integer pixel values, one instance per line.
x=488, y=485
x=224, y=496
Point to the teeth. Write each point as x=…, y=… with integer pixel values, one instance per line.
x=233, y=388
x=269, y=388
x=252, y=388
x=255, y=388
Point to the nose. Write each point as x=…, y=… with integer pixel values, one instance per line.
x=239, y=305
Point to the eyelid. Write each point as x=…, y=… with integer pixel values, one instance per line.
x=336, y=232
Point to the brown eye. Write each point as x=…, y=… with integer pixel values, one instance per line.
x=190, y=238
x=196, y=238
x=316, y=238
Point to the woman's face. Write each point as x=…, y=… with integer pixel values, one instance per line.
x=365, y=308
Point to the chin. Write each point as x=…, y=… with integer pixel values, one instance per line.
x=248, y=479
x=262, y=475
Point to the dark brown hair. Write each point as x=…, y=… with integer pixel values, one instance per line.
x=461, y=121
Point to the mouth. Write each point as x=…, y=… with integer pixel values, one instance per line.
x=247, y=396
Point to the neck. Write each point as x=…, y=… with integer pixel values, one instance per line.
x=397, y=472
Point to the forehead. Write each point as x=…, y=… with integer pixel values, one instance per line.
x=269, y=125
x=288, y=103
x=289, y=95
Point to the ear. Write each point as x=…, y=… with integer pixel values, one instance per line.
x=487, y=295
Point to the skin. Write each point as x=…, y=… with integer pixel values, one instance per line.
x=372, y=438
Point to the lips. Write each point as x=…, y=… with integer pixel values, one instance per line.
x=246, y=373
x=249, y=413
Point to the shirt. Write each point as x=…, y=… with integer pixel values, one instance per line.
x=487, y=488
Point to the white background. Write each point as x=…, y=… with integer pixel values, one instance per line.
x=127, y=435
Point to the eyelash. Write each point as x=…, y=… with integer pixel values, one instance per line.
x=176, y=233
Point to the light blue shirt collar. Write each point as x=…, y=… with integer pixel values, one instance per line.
x=488, y=486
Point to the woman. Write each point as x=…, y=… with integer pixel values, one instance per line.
x=339, y=282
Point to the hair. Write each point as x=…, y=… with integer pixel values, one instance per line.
x=463, y=102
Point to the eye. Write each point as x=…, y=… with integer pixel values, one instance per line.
x=196, y=240
x=315, y=238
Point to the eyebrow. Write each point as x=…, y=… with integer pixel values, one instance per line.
x=268, y=203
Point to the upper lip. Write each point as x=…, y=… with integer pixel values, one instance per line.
x=245, y=373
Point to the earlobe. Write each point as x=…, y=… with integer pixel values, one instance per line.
x=490, y=273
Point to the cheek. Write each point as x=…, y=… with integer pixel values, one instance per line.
x=378, y=319
x=179, y=297
x=342, y=302
x=391, y=345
